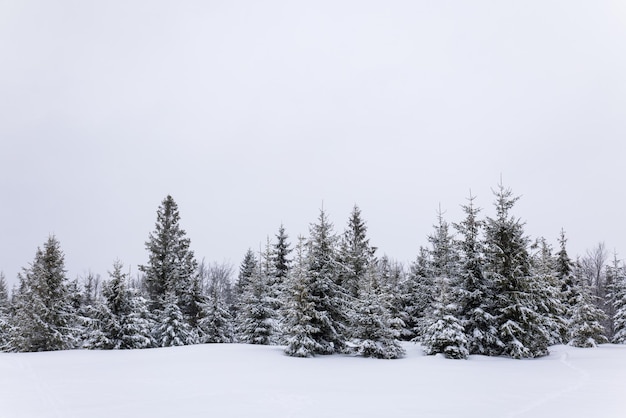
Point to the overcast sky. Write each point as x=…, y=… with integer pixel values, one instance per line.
x=251, y=113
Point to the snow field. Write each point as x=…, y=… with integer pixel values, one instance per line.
x=236, y=380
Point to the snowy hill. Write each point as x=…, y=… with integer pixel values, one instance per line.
x=234, y=380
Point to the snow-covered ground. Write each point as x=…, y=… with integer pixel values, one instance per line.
x=232, y=380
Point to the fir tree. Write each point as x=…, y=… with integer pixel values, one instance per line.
x=373, y=332
x=5, y=327
x=474, y=290
x=4, y=292
x=45, y=320
x=171, y=328
x=508, y=268
x=619, y=318
x=256, y=320
x=614, y=276
x=444, y=332
x=138, y=325
x=326, y=295
x=355, y=254
x=247, y=269
x=171, y=266
x=280, y=256
x=391, y=277
x=216, y=325
x=418, y=294
x=280, y=269
x=565, y=273
x=617, y=299
x=547, y=296
x=585, y=325
x=299, y=311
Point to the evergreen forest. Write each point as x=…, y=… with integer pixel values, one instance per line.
x=480, y=286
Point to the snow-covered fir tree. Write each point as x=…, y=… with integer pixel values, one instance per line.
x=355, y=254
x=373, y=331
x=547, y=294
x=171, y=266
x=255, y=314
x=171, y=329
x=442, y=265
x=473, y=288
x=329, y=301
x=564, y=270
x=617, y=298
x=4, y=292
x=418, y=292
x=614, y=275
x=281, y=264
x=280, y=259
x=216, y=324
x=247, y=269
x=444, y=332
x=585, y=325
x=44, y=317
x=5, y=325
x=391, y=277
x=507, y=266
x=121, y=317
x=299, y=309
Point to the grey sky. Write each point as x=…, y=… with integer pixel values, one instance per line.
x=251, y=113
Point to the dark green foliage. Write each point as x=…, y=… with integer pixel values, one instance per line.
x=355, y=254
x=299, y=310
x=329, y=302
x=44, y=319
x=507, y=266
x=171, y=266
x=419, y=293
x=474, y=289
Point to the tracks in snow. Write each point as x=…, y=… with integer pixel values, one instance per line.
x=583, y=379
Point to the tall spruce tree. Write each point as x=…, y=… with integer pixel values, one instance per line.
x=474, y=290
x=255, y=316
x=507, y=266
x=280, y=255
x=565, y=273
x=443, y=330
x=547, y=295
x=419, y=295
x=299, y=308
x=619, y=306
x=355, y=255
x=247, y=269
x=329, y=301
x=171, y=267
x=45, y=319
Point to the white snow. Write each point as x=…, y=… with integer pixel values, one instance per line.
x=235, y=380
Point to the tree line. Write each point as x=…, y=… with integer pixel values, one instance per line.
x=481, y=286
